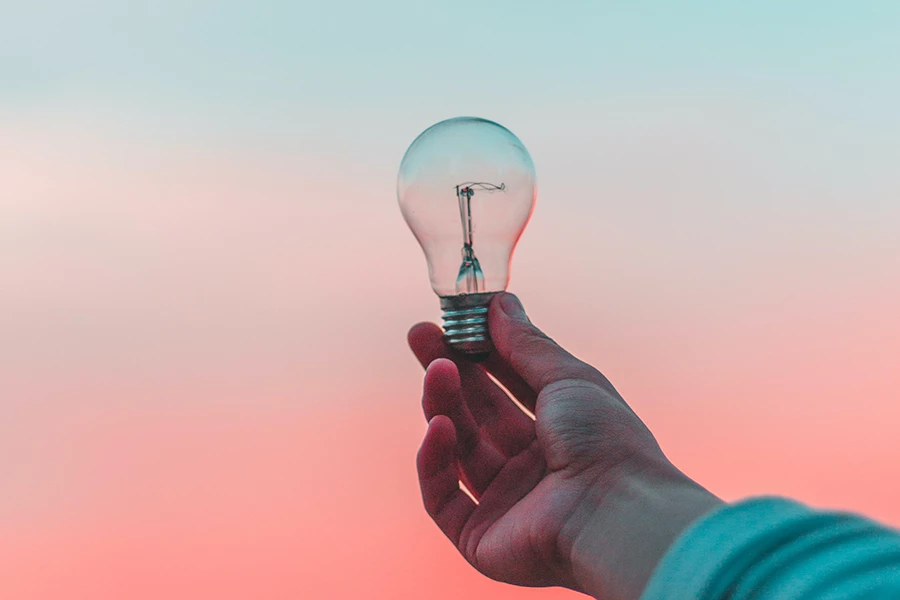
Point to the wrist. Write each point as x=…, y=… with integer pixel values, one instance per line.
x=625, y=528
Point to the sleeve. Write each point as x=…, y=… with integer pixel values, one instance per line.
x=772, y=548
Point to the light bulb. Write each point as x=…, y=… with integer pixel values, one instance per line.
x=467, y=188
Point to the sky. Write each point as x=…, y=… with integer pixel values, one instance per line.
x=206, y=282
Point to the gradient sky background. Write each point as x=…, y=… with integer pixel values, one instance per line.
x=205, y=281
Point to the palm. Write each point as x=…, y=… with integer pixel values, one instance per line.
x=528, y=476
x=521, y=545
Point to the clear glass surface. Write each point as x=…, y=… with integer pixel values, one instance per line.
x=467, y=188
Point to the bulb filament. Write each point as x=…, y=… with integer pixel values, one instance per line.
x=471, y=278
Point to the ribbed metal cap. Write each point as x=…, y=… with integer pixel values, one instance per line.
x=466, y=324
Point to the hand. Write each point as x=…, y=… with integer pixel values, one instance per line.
x=581, y=497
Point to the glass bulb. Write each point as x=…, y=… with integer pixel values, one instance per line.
x=467, y=189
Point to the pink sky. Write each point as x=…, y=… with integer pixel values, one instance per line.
x=206, y=390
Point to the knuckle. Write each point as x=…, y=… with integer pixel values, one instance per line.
x=571, y=385
x=522, y=339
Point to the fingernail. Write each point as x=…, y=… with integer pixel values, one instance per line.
x=510, y=305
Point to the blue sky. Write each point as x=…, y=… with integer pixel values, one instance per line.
x=330, y=68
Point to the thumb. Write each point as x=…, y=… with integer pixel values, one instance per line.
x=537, y=359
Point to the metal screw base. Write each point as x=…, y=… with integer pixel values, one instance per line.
x=466, y=324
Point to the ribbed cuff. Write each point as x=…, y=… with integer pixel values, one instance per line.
x=768, y=548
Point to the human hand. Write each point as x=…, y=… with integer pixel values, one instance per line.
x=581, y=497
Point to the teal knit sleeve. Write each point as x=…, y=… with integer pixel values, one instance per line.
x=772, y=548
